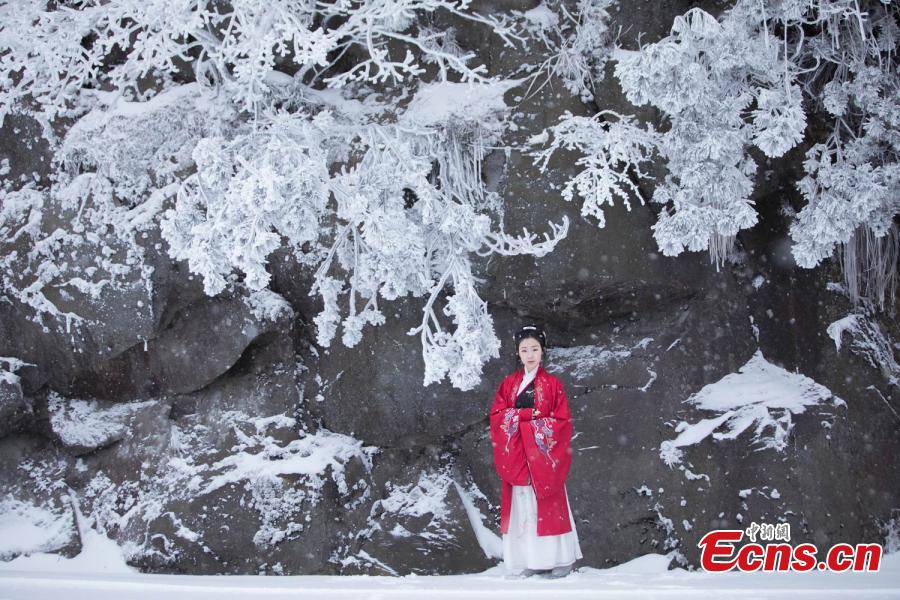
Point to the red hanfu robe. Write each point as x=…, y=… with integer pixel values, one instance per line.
x=533, y=451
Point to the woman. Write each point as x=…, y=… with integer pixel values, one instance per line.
x=530, y=430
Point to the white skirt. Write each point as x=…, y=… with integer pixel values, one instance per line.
x=523, y=548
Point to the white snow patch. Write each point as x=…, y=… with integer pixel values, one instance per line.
x=364, y=558
x=490, y=542
x=99, y=555
x=584, y=361
x=691, y=476
x=344, y=102
x=27, y=529
x=542, y=17
x=90, y=423
x=267, y=305
x=427, y=496
x=759, y=394
x=867, y=341
x=443, y=101
x=117, y=106
x=400, y=531
x=644, y=491
x=13, y=364
x=310, y=455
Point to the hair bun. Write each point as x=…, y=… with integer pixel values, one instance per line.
x=531, y=331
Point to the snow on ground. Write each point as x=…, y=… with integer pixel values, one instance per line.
x=102, y=574
x=760, y=394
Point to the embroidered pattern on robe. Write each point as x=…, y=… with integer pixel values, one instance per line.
x=510, y=426
x=543, y=428
x=543, y=438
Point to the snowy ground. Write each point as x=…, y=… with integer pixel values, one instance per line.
x=99, y=572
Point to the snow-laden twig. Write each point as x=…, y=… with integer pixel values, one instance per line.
x=613, y=149
x=505, y=244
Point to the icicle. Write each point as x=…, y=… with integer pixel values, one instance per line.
x=869, y=265
x=719, y=247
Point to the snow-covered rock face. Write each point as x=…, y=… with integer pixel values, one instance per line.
x=760, y=395
x=83, y=426
x=220, y=434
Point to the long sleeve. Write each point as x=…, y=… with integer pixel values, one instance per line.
x=547, y=441
x=506, y=439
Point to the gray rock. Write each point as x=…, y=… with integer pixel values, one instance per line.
x=15, y=408
x=199, y=343
x=375, y=392
x=419, y=524
x=32, y=471
x=118, y=318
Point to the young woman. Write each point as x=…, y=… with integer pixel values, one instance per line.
x=530, y=431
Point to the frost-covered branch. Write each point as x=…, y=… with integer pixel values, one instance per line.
x=704, y=77
x=382, y=209
x=726, y=85
x=247, y=194
x=508, y=245
x=412, y=209
x=52, y=53
x=459, y=354
x=612, y=147
x=852, y=181
x=379, y=192
x=577, y=45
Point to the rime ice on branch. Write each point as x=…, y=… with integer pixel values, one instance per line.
x=279, y=137
x=752, y=78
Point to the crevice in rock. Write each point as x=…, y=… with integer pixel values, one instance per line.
x=248, y=362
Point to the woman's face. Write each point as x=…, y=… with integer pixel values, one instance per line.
x=530, y=353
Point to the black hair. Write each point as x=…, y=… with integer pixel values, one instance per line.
x=533, y=332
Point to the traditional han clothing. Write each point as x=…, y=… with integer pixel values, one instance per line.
x=532, y=457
